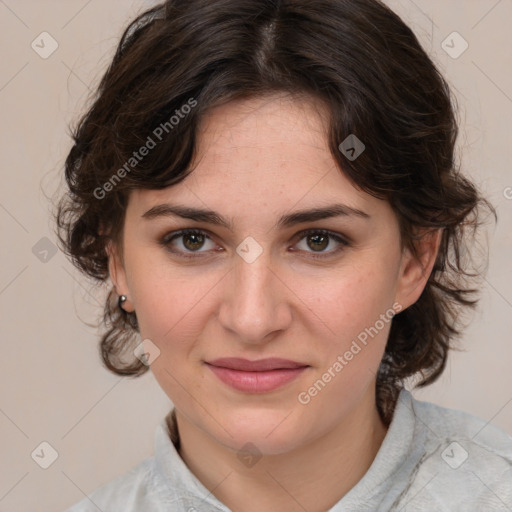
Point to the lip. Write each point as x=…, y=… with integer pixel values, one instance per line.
x=260, y=365
x=261, y=376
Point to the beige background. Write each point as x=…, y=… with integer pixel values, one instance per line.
x=53, y=387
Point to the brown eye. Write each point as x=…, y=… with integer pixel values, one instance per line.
x=317, y=241
x=192, y=241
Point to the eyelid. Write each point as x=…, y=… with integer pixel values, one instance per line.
x=333, y=234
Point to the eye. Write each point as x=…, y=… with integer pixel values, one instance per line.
x=191, y=241
x=318, y=240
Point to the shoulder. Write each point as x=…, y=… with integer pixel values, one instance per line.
x=133, y=491
x=476, y=431
x=466, y=462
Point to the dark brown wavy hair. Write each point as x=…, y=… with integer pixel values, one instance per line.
x=359, y=59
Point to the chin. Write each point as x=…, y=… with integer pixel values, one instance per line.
x=272, y=432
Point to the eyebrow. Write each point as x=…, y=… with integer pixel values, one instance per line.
x=288, y=220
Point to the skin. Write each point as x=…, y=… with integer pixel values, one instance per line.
x=257, y=160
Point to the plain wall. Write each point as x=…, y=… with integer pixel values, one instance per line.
x=53, y=386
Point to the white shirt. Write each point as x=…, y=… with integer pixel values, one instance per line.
x=432, y=459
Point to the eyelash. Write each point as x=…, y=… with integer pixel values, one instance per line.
x=170, y=237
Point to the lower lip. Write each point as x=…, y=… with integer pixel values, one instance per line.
x=256, y=382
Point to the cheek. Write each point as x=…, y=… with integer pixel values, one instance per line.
x=358, y=313
x=169, y=309
x=357, y=310
x=170, y=302
x=354, y=300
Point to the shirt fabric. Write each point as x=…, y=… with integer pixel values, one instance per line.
x=432, y=459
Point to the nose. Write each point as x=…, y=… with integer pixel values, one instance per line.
x=255, y=302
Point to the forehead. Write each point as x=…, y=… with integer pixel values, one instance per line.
x=266, y=153
x=251, y=120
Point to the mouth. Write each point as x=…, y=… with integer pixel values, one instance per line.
x=261, y=365
x=261, y=376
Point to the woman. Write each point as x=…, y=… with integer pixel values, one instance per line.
x=270, y=187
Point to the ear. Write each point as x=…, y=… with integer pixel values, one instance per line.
x=415, y=270
x=118, y=274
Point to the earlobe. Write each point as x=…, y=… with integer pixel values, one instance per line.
x=416, y=269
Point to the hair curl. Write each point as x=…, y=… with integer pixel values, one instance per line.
x=362, y=62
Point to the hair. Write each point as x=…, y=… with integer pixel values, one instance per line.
x=359, y=59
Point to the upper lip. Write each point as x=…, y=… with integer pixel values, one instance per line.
x=271, y=363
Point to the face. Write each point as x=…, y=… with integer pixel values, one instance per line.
x=316, y=291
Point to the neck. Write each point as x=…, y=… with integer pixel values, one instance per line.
x=313, y=477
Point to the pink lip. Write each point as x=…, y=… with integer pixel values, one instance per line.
x=256, y=376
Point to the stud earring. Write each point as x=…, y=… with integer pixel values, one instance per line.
x=121, y=301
